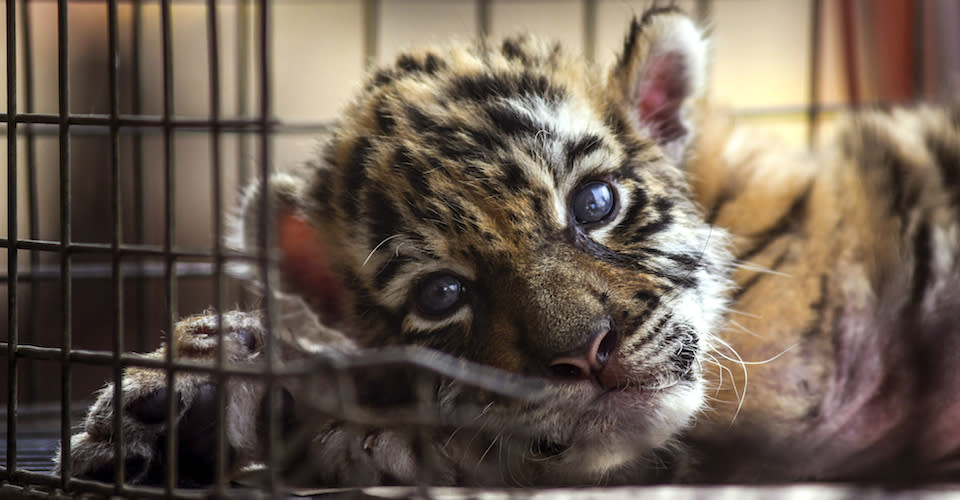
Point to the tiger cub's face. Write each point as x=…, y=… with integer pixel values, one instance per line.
x=511, y=205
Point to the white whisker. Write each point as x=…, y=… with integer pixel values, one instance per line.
x=743, y=328
x=743, y=395
x=749, y=266
x=743, y=313
x=377, y=248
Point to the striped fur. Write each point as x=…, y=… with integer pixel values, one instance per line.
x=765, y=314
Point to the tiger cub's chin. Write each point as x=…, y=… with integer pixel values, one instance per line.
x=630, y=429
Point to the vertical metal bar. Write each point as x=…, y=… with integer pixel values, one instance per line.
x=139, y=193
x=590, y=30
x=170, y=476
x=918, y=42
x=66, y=222
x=32, y=195
x=213, y=55
x=371, y=19
x=12, y=279
x=266, y=244
x=813, y=109
x=850, y=56
x=704, y=11
x=115, y=256
x=243, y=86
x=484, y=19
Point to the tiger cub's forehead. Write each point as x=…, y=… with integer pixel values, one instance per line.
x=478, y=139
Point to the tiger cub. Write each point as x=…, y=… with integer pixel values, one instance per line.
x=696, y=302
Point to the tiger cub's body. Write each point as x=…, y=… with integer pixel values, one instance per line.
x=849, y=265
x=700, y=304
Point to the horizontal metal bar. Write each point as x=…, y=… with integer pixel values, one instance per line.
x=106, y=358
x=140, y=122
x=95, y=124
x=801, y=111
x=134, y=249
x=491, y=379
x=78, y=485
x=130, y=270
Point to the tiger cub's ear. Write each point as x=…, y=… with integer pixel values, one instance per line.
x=303, y=261
x=660, y=75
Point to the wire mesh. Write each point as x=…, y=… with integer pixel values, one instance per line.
x=134, y=265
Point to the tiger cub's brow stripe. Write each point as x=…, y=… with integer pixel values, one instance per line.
x=581, y=147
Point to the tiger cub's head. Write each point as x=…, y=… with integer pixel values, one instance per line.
x=512, y=205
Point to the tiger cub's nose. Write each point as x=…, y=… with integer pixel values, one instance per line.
x=588, y=361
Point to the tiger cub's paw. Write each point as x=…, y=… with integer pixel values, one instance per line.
x=345, y=454
x=145, y=397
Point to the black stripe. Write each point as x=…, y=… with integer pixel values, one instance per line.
x=389, y=270
x=638, y=202
x=419, y=210
x=600, y=252
x=511, y=49
x=905, y=193
x=378, y=325
x=415, y=176
x=662, y=207
x=649, y=301
x=461, y=219
x=682, y=281
x=790, y=221
x=728, y=192
x=684, y=357
x=421, y=121
x=321, y=190
x=382, y=78
x=451, y=339
x=686, y=262
x=725, y=196
x=434, y=63
x=747, y=285
x=385, y=120
x=407, y=64
x=487, y=86
x=627, y=171
x=636, y=27
x=581, y=147
x=509, y=121
x=947, y=156
x=356, y=173
x=514, y=178
x=383, y=214
x=819, y=308
x=653, y=332
x=922, y=258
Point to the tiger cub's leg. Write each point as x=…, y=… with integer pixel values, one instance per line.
x=145, y=398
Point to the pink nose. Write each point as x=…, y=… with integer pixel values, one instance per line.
x=588, y=362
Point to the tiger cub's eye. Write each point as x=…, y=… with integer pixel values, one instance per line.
x=439, y=295
x=593, y=202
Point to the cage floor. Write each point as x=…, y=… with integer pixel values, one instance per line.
x=38, y=436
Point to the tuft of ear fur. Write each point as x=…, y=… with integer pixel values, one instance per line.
x=660, y=75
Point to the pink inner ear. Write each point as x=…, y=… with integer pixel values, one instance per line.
x=305, y=267
x=661, y=90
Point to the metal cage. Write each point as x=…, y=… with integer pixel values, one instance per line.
x=86, y=287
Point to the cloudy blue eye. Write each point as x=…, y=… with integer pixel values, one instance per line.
x=593, y=202
x=439, y=295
